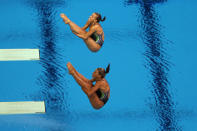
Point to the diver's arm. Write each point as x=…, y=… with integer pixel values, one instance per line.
x=88, y=34
x=92, y=80
x=86, y=25
x=94, y=89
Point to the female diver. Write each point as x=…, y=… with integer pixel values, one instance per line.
x=97, y=93
x=94, y=38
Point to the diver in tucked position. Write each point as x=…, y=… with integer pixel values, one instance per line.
x=97, y=93
x=94, y=38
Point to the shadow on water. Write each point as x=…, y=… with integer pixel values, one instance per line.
x=52, y=79
x=150, y=2
x=53, y=75
x=157, y=63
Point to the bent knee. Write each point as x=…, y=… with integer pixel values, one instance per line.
x=97, y=106
x=96, y=102
x=92, y=45
x=95, y=49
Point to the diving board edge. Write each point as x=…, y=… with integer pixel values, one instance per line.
x=22, y=107
x=19, y=54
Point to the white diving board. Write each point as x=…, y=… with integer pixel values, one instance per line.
x=26, y=107
x=19, y=54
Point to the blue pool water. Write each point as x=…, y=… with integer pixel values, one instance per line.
x=151, y=46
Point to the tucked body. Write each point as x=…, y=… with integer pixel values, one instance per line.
x=97, y=93
x=94, y=38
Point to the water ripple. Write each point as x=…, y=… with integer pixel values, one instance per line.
x=130, y=2
x=158, y=66
x=157, y=63
x=52, y=78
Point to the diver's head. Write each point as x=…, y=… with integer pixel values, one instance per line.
x=96, y=17
x=99, y=18
x=100, y=73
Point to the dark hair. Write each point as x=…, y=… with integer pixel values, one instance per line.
x=99, y=18
x=103, y=72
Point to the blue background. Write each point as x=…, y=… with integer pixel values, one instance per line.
x=151, y=46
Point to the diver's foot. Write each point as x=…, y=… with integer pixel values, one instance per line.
x=70, y=68
x=65, y=18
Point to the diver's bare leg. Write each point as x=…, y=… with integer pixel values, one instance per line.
x=81, y=82
x=83, y=78
x=73, y=70
x=74, y=28
x=91, y=44
x=84, y=85
x=80, y=79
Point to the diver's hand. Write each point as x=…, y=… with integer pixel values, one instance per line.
x=88, y=22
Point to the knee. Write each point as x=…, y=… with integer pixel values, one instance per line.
x=94, y=48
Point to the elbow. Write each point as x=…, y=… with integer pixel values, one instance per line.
x=89, y=94
x=83, y=28
x=82, y=36
x=85, y=37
